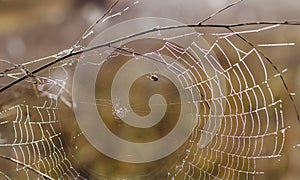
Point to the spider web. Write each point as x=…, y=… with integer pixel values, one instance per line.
x=251, y=129
x=33, y=141
x=252, y=126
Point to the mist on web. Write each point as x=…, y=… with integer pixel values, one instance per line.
x=158, y=90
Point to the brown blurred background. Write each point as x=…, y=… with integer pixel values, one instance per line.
x=31, y=29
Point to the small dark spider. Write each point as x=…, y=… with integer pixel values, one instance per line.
x=153, y=77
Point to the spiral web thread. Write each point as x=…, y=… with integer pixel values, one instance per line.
x=252, y=127
x=253, y=117
x=37, y=142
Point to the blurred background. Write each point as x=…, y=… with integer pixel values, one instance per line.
x=31, y=29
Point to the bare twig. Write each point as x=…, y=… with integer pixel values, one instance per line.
x=70, y=54
x=110, y=44
x=96, y=22
x=201, y=24
x=219, y=11
x=274, y=67
x=26, y=166
x=74, y=53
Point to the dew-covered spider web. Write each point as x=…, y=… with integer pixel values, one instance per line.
x=160, y=99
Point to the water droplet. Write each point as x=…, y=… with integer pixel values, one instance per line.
x=284, y=70
x=88, y=34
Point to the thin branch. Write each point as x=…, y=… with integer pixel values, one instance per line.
x=96, y=22
x=287, y=22
x=71, y=54
x=14, y=66
x=74, y=53
x=27, y=167
x=274, y=67
x=219, y=11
